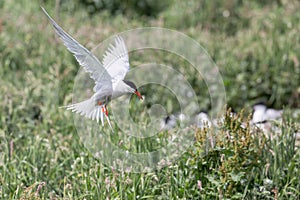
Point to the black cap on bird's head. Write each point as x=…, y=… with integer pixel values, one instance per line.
x=132, y=85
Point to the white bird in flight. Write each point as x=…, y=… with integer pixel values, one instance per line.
x=108, y=75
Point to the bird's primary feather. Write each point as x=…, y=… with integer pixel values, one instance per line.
x=103, y=81
x=116, y=61
x=85, y=58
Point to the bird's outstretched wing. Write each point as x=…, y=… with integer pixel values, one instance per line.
x=103, y=81
x=116, y=61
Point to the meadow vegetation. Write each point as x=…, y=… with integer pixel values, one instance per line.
x=256, y=46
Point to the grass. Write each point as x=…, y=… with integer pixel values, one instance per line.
x=257, y=51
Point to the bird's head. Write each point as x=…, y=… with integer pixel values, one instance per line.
x=133, y=89
x=259, y=106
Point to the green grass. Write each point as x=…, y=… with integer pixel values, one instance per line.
x=257, y=50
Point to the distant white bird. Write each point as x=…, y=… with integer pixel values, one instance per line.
x=203, y=120
x=168, y=122
x=181, y=117
x=108, y=75
x=263, y=118
x=262, y=113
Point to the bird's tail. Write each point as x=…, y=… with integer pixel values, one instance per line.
x=89, y=109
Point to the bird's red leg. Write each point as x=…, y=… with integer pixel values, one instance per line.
x=106, y=111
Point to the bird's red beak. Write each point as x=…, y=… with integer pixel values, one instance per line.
x=138, y=94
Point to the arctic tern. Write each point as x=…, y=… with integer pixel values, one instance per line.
x=108, y=75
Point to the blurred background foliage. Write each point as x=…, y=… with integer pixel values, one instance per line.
x=149, y=8
x=256, y=45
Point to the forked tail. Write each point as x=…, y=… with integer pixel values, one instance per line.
x=89, y=109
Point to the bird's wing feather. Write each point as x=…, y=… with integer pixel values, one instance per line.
x=88, y=109
x=116, y=61
x=85, y=58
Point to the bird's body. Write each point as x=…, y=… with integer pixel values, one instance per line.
x=262, y=113
x=108, y=75
x=273, y=114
